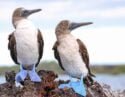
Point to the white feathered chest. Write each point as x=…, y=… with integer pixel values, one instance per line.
x=26, y=43
x=70, y=57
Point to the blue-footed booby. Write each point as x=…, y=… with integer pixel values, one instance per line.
x=25, y=44
x=71, y=53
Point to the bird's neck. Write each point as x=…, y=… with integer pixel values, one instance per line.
x=24, y=23
x=63, y=36
x=15, y=21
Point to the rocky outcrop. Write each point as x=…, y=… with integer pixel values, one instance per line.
x=49, y=88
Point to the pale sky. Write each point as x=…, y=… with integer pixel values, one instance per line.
x=104, y=39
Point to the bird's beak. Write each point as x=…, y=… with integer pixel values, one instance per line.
x=73, y=26
x=26, y=13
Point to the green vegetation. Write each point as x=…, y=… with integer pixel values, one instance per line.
x=109, y=69
x=52, y=65
x=7, y=69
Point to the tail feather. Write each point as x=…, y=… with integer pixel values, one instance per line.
x=88, y=80
x=92, y=74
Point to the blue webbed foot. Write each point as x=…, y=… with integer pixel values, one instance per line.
x=65, y=85
x=78, y=86
x=21, y=75
x=34, y=76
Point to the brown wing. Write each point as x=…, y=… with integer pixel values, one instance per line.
x=84, y=53
x=12, y=47
x=40, y=46
x=56, y=54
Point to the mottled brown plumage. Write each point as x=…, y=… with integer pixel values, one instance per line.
x=18, y=14
x=56, y=54
x=12, y=46
x=40, y=46
x=65, y=58
x=82, y=50
x=84, y=54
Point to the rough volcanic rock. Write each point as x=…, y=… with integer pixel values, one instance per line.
x=49, y=88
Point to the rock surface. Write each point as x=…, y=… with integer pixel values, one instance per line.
x=49, y=88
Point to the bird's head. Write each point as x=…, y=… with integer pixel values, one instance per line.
x=21, y=13
x=65, y=26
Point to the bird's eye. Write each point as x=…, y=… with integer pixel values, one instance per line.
x=24, y=13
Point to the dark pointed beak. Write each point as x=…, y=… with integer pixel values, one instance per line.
x=26, y=13
x=76, y=25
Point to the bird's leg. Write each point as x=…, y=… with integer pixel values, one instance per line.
x=70, y=78
x=21, y=75
x=81, y=81
x=33, y=75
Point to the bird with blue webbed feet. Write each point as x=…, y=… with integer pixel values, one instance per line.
x=72, y=56
x=25, y=45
